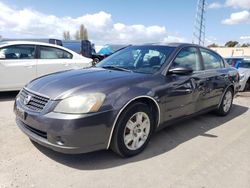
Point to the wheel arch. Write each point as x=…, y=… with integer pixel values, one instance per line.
x=144, y=99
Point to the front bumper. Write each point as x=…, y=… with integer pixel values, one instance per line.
x=242, y=84
x=66, y=133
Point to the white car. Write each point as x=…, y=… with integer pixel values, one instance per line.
x=244, y=71
x=23, y=61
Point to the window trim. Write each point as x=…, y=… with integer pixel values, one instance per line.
x=39, y=52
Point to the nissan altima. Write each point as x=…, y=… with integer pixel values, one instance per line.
x=128, y=96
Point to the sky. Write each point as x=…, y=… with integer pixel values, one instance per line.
x=128, y=21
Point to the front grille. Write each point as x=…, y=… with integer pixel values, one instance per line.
x=36, y=131
x=33, y=101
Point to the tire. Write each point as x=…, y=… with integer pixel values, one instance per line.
x=226, y=103
x=130, y=136
x=96, y=60
x=247, y=86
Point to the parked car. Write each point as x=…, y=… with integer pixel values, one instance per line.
x=22, y=61
x=106, y=51
x=86, y=49
x=244, y=70
x=128, y=96
x=234, y=61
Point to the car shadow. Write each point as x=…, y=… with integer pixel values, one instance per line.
x=8, y=95
x=162, y=142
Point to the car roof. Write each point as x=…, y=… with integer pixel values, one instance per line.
x=5, y=43
x=171, y=44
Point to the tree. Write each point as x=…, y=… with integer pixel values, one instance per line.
x=245, y=45
x=77, y=36
x=213, y=45
x=82, y=33
x=66, y=35
x=231, y=43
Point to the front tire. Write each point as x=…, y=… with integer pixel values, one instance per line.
x=226, y=103
x=133, y=130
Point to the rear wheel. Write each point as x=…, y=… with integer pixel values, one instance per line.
x=247, y=86
x=226, y=103
x=133, y=130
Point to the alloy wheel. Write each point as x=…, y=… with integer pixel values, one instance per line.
x=136, y=131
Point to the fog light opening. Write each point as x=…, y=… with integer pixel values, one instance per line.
x=59, y=141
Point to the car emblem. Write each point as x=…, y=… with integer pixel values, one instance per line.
x=27, y=99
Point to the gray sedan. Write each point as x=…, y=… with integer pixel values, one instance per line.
x=128, y=96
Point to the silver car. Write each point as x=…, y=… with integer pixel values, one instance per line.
x=244, y=71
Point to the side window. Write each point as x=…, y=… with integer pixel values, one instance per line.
x=211, y=60
x=53, y=53
x=187, y=57
x=18, y=52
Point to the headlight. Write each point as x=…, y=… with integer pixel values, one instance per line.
x=81, y=104
x=242, y=76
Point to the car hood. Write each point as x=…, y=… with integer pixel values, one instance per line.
x=63, y=84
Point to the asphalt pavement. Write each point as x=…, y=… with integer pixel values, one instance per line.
x=203, y=152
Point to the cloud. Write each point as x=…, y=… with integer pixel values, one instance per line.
x=245, y=4
x=245, y=37
x=101, y=28
x=215, y=5
x=238, y=18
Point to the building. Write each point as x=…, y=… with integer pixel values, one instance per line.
x=232, y=51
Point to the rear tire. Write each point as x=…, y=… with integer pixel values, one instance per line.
x=226, y=103
x=247, y=86
x=133, y=130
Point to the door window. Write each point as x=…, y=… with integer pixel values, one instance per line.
x=211, y=60
x=189, y=58
x=53, y=53
x=18, y=52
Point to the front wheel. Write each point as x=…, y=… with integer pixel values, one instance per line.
x=226, y=103
x=133, y=130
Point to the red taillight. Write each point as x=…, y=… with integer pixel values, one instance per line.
x=237, y=77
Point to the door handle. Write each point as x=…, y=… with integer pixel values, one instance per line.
x=29, y=66
x=189, y=91
x=201, y=83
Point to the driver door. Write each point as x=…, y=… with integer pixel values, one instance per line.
x=182, y=91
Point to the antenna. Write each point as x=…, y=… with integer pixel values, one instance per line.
x=199, y=25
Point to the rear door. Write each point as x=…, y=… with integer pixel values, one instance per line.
x=216, y=75
x=53, y=59
x=17, y=66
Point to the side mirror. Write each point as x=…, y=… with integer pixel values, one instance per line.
x=180, y=71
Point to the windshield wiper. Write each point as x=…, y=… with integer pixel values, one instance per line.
x=117, y=68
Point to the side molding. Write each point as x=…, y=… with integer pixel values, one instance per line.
x=118, y=115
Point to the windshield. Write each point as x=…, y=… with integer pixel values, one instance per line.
x=141, y=59
x=245, y=64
